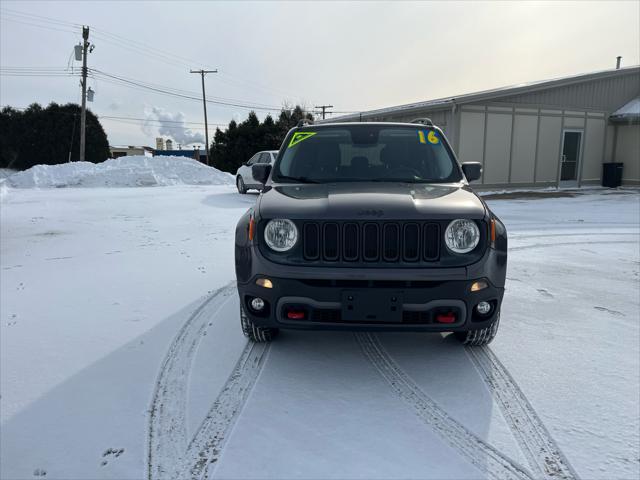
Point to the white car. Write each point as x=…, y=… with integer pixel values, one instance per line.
x=244, y=178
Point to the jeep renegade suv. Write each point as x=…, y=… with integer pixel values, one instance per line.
x=370, y=226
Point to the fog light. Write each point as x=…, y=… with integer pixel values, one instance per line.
x=264, y=282
x=479, y=285
x=483, y=308
x=257, y=304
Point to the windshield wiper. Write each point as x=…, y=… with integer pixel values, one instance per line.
x=297, y=179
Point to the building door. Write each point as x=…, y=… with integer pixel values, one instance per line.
x=570, y=159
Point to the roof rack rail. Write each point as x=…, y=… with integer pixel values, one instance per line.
x=305, y=121
x=423, y=121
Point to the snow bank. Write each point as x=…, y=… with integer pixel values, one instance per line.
x=131, y=171
x=5, y=172
x=4, y=190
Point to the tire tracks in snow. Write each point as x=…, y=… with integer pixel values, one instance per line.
x=206, y=446
x=516, y=236
x=487, y=459
x=540, y=449
x=564, y=244
x=167, y=438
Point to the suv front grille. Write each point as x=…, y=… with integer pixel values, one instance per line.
x=411, y=242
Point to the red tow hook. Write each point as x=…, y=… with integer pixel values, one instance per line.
x=446, y=317
x=295, y=314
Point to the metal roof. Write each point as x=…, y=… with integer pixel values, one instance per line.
x=492, y=94
x=628, y=112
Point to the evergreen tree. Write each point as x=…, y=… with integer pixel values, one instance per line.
x=45, y=135
x=236, y=145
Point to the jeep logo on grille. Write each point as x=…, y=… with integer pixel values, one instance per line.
x=370, y=213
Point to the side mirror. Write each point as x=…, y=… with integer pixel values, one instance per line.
x=261, y=172
x=472, y=170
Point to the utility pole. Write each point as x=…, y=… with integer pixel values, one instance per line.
x=324, y=108
x=204, y=104
x=83, y=112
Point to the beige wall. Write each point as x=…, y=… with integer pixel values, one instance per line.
x=471, y=137
x=628, y=152
x=548, y=149
x=592, y=146
x=497, y=148
x=574, y=122
x=608, y=149
x=521, y=146
x=523, y=154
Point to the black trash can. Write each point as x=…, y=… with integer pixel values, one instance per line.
x=612, y=174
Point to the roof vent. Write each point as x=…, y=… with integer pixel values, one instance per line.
x=423, y=121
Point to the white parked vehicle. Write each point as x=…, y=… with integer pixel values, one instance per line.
x=244, y=178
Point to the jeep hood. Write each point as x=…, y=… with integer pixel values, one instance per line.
x=371, y=201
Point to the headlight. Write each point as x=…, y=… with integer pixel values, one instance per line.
x=280, y=234
x=462, y=236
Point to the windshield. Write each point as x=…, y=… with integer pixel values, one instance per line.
x=367, y=153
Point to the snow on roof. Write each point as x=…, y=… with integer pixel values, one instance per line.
x=488, y=94
x=629, y=111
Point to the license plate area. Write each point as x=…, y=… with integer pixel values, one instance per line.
x=372, y=306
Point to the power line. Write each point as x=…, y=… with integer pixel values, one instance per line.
x=183, y=92
x=34, y=21
x=28, y=69
x=35, y=72
x=167, y=91
x=140, y=48
x=150, y=123
x=128, y=119
x=38, y=17
x=18, y=74
x=156, y=120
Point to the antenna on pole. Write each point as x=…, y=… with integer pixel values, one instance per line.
x=204, y=104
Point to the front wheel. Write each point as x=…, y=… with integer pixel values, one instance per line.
x=480, y=337
x=240, y=185
x=253, y=332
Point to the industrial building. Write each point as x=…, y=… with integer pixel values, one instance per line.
x=128, y=150
x=197, y=154
x=551, y=133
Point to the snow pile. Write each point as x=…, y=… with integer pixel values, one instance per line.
x=4, y=190
x=131, y=171
x=5, y=172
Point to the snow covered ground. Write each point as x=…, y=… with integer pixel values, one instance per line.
x=128, y=171
x=121, y=354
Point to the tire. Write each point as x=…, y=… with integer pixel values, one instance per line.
x=255, y=333
x=242, y=189
x=481, y=337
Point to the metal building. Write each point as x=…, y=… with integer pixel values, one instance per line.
x=552, y=133
x=128, y=150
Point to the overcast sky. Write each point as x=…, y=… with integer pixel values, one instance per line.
x=355, y=56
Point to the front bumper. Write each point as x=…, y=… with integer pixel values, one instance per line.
x=417, y=304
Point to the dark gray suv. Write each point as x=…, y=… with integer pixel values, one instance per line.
x=370, y=226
